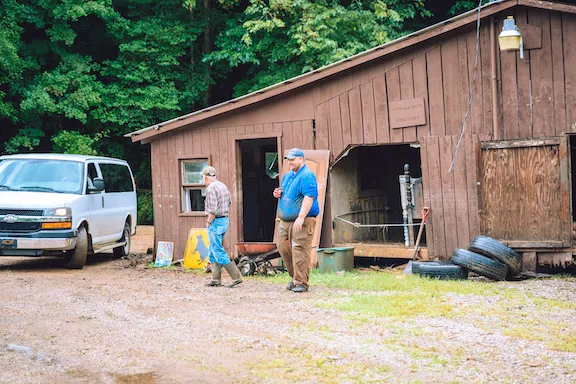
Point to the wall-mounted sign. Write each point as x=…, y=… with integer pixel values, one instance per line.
x=407, y=113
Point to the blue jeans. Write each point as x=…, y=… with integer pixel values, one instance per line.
x=216, y=232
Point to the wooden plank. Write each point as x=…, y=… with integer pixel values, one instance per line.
x=558, y=74
x=549, y=5
x=287, y=135
x=471, y=150
x=259, y=128
x=436, y=202
x=509, y=83
x=167, y=222
x=486, y=77
x=298, y=135
x=223, y=155
x=426, y=193
x=156, y=169
x=523, y=74
x=451, y=221
x=569, y=40
x=566, y=187
x=276, y=127
x=386, y=251
x=337, y=145
x=451, y=87
x=461, y=194
x=434, y=70
x=421, y=90
x=231, y=237
x=549, y=244
x=356, y=124
x=463, y=81
x=474, y=123
x=381, y=107
x=241, y=130
x=529, y=262
x=180, y=136
x=407, y=92
x=520, y=143
x=368, y=112
x=322, y=126
x=308, y=134
x=345, y=115
x=393, y=92
x=541, y=64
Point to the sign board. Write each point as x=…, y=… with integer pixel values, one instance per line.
x=407, y=113
x=196, y=253
x=164, y=254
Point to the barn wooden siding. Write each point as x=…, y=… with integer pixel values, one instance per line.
x=536, y=98
x=219, y=144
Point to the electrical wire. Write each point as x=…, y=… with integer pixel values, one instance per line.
x=472, y=88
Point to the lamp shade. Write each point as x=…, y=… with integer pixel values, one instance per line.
x=510, y=38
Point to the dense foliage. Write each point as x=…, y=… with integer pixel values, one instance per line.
x=77, y=75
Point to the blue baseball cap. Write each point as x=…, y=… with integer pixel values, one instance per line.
x=293, y=153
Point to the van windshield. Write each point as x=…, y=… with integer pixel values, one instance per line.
x=37, y=175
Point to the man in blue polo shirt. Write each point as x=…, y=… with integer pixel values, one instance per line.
x=297, y=211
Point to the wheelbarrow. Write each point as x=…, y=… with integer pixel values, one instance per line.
x=256, y=257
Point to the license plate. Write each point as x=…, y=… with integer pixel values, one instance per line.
x=8, y=243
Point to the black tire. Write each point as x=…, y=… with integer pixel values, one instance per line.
x=479, y=264
x=494, y=249
x=246, y=266
x=416, y=264
x=443, y=271
x=125, y=249
x=79, y=255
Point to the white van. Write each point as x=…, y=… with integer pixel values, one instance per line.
x=68, y=205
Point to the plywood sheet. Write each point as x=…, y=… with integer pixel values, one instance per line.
x=521, y=193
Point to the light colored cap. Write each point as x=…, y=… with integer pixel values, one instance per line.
x=294, y=153
x=209, y=171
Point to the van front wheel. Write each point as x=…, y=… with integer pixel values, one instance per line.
x=80, y=253
x=125, y=249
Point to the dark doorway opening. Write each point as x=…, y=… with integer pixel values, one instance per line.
x=260, y=175
x=366, y=190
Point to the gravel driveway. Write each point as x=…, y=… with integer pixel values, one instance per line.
x=116, y=321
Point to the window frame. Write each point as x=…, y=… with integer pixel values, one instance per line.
x=186, y=187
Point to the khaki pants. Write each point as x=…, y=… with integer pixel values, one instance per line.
x=295, y=248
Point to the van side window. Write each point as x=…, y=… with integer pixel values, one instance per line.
x=117, y=178
x=92, y=174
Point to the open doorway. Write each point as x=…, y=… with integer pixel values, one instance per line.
x=260, y=175
x=366, y=190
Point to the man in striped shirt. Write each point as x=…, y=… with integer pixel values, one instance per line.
x=217, y=207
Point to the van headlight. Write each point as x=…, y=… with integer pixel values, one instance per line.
x=60, y=212
x=57, y=218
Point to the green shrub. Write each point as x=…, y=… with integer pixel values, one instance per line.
x=145, y=207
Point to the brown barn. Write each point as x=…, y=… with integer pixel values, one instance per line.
x=512, y=175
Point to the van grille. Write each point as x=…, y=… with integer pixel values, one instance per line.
x=22, y=212
x=20, y=227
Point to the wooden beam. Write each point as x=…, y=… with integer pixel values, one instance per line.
x=529, y=262
x=385, y=251
x=536, y=244
x=549, y=5
x=519, y=143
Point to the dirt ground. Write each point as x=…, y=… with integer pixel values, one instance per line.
x=117, y=321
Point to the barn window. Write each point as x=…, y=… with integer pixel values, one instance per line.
x=193, y=187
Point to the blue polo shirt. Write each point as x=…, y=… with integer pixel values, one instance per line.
x=294, y=187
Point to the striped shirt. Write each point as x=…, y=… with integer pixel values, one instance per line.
x=217, y=199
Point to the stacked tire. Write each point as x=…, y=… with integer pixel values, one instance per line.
x=485, y=256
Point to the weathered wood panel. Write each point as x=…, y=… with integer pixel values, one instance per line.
x=381, y=106
x=393, y=91
x=429, y=226
x=287, y=135
x=569, y=40
x=368, y=113
x=525, y=107
x=322, y=126
x=336, y=141
x=451, y=220
x=451, y=87
x=471, y=149
x=461, y=194
x=521, y=194
x=298, y=135
x=509, y=86
x=421, y=90
x=308, y=134
x=558, y=73
x=345, y=115
x=541, y=67
x=407, y=92
x=434, y=69
x=474, y=122
x=486, y=78
x=355, y=116
x=432, y=149
x=463, y=81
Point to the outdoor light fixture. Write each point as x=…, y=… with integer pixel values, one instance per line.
x=510, y=39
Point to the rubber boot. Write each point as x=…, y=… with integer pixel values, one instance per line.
x=234, y=273
x=216, y=275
